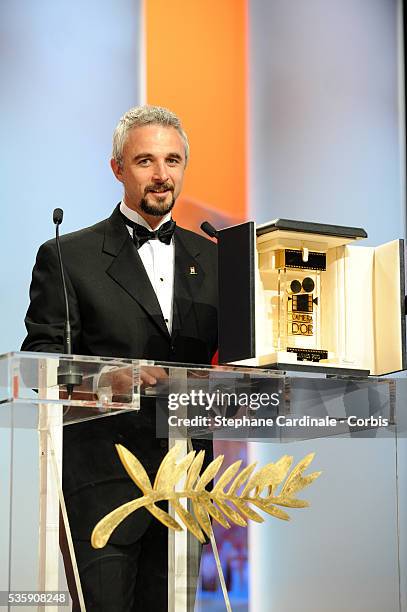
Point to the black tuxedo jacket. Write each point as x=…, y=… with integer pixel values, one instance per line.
x=114, y=312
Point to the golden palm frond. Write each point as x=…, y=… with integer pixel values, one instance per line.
x=246, y=488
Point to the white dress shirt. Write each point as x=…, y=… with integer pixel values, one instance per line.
x=158, y=260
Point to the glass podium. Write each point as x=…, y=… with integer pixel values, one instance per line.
x=348, y=551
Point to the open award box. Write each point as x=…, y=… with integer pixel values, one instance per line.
x=298, y=295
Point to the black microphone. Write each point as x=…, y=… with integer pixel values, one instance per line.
x=209, y=229
x=68, y=373
x=57, y=216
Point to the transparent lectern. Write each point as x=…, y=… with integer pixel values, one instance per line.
x=352, y=541
x=32, y=415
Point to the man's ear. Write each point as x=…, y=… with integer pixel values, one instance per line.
x=117, y=170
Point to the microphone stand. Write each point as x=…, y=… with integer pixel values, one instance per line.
x=68, y=373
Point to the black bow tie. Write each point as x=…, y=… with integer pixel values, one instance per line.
x=141, y=234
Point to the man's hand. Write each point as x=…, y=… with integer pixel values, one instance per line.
x=120, y=382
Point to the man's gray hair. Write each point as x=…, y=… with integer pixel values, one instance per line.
x=145, y=115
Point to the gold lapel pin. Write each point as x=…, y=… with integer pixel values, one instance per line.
x=192, y=270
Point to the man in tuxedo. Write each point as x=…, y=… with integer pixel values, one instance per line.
x=138, y=287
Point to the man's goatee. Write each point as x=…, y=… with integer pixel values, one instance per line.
x=156, y=210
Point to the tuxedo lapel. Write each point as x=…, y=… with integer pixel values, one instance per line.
x=128, y=270
x=188, y=278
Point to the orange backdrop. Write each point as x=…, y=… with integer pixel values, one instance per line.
x=196, y=65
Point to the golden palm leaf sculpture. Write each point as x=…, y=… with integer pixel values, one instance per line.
x=246, y=490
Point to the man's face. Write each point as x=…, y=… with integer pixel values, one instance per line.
x=152, y=171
